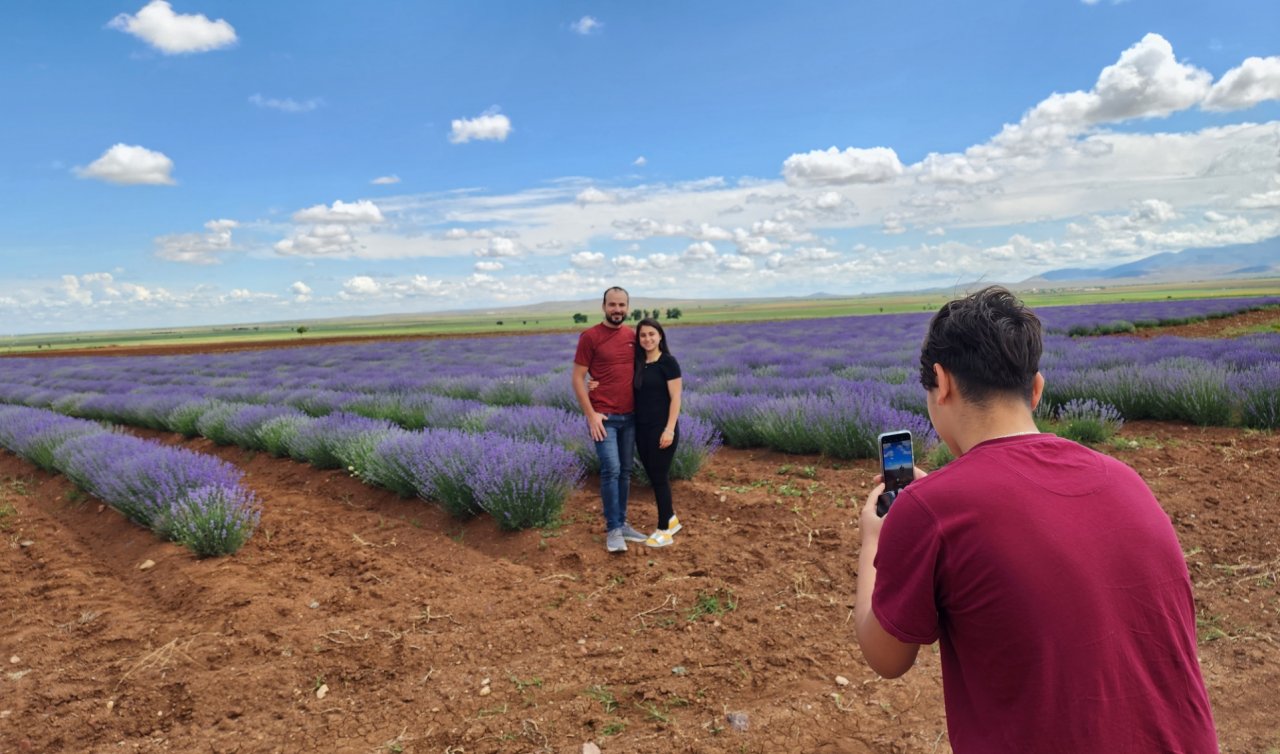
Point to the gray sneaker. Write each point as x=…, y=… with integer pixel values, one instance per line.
x=631, y=535
x=615, y=542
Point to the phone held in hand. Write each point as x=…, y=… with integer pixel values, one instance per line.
x=897, y=466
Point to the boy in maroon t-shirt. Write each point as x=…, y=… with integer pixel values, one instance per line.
x=607, y=352
x=1048, y=572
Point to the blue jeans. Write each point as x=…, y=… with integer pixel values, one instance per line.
x=616, y=453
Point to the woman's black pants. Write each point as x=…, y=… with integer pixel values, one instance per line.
x=657, y=466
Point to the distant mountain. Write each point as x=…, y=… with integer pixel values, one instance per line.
x=1260, y=259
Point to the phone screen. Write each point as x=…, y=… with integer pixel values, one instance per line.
x=896, y=460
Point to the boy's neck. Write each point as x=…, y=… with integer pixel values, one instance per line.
x=977, y=424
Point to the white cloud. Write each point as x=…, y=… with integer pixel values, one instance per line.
x=319, y=241
x=488, y=126
x=814, y=254
x=700, y=251
x=593, y=195
x=1261, y=200
x=587, y=259
x=499, y=247
x=1253, y=81
x=735, y=264
x=488, y=266
x=627, y=262
x=197, y=248
x=586, y=25
x=361, y=285
x=385, y=180
x=833, y=167
x=130, y=165
x=174, y=33
x=1146, y=82
x=362, y=212
x=301, y=292
x=640, y=161
x=286, y=105
x=953, y=168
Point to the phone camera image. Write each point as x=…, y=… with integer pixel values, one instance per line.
x=897, y=467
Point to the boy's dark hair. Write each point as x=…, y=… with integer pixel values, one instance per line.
x=989, y=341
x=605, y=298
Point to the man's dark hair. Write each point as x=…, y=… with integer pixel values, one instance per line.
x=605, y=298
x=989, y=342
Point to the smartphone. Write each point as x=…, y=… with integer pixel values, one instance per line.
x=897, y=466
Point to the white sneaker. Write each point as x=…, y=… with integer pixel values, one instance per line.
x=660, y=538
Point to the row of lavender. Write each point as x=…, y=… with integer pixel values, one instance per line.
x=816, y=385
x=190, y=498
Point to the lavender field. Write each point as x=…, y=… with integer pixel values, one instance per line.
x=490, y=425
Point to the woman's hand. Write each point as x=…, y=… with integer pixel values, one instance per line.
x=593, y=384
x=668, y=437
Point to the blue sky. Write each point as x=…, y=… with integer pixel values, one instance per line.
x=202, y=162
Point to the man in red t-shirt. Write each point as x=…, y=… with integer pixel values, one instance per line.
x=1048, y=572
x=607, y=352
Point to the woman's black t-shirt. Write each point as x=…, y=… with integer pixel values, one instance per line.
x=653, y=401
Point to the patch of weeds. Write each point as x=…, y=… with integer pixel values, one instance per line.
x=939, y=456
x=458, y=535
x=75, y=496
x=617, y=579
x=613, y=728
x=718, y=602
x=1140, y=442
x=789, y=490
x=317, y=683
x=1209, y=628
x=20, y=486
x=785, y=469
x=8, y=514
x=522, y=684
x=655, y=714
x=395, y=747
x=603, y=695
x=415, y=523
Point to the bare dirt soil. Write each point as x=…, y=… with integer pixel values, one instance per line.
x=355, y=621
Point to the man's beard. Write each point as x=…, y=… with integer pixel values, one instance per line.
x=616, y=319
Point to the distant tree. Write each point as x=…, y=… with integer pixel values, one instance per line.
x=673, y=313
x=655, y=314
x=637, y=314
x=300, y=329
x=499, y=322
x=579, y=318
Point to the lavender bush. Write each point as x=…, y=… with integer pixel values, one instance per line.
x=188, y=497
x=699, y=440
x=1087, y=420
x=524, y=484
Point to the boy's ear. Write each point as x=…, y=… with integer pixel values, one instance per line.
x=1037, y=390
x=946, y=386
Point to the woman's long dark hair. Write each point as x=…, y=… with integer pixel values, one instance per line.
x=662, y=347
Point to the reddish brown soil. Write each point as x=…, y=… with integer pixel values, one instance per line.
x=1267, y=319
x=400, y=614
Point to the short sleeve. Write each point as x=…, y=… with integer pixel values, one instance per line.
x=586, y=350
x=671, y=368
x=906, y=563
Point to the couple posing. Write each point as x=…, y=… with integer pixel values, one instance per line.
x=633, y=403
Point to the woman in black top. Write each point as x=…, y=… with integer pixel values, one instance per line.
x=657, y=385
